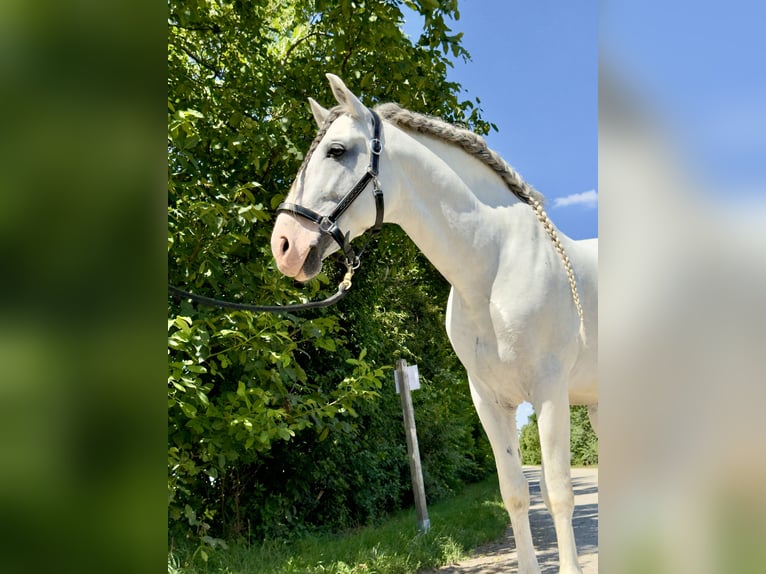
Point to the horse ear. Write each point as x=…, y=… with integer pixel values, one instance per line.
x=349, y=101
x=320, y=113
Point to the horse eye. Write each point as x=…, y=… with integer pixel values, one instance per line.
x=335, y=151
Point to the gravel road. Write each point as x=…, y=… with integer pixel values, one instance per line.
x=500, y=556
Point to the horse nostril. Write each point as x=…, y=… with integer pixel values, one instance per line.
x=285, y=245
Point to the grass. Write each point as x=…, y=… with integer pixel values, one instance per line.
x=395, y=547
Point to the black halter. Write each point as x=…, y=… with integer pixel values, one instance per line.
x=328, y=224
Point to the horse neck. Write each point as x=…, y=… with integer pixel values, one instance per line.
x=455, y=209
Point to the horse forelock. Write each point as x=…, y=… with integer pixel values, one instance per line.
x=333, y=115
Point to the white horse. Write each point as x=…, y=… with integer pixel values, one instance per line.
x=523, y=298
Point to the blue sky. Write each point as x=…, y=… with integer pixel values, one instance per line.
x=534, y=67
x=699, y=67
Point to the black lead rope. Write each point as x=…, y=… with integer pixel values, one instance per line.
x=343, y=289
x=327, y=225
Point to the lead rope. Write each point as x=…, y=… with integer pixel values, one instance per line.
x=343, y=288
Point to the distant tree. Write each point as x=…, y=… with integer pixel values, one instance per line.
x=529, y=441
x=583, y=440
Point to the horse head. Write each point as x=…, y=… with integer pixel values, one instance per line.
x=319, y=215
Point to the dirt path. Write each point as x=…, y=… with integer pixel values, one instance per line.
x=500, y=556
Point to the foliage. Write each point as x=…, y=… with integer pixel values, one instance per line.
x=471, y=518
x=281, y=422
x=583, y=440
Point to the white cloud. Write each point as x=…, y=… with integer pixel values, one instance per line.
x=588, y=199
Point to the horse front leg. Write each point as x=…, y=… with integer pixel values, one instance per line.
x=500, y=426
x=556, y=483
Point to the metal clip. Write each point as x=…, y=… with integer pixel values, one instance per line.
x=326, y=225
x=346, y=283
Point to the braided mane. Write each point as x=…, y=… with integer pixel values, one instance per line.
x=470, y=142
x=476, y=146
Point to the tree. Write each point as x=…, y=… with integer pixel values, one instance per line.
x=529, y=442
x=255, y=398
x=583, y=440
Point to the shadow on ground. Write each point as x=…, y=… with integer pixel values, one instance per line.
x=500, y=557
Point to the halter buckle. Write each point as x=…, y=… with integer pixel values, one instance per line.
x=376, y=146
x=327, y=225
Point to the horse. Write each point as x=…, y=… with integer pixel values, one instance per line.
x=522, y=310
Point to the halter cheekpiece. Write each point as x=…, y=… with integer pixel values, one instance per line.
x=328, y=224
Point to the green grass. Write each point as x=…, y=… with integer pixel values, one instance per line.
x=395, y=547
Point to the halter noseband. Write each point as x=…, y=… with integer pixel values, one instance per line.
x=328, y=224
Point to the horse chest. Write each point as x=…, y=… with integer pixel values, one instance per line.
x=493, y=364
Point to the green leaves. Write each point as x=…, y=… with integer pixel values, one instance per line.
x=253, y=397
x=583, y=441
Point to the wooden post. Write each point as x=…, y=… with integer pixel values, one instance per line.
x=416, y=472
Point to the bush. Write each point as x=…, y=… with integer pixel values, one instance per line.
x=279, y=423
x=583, y=440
